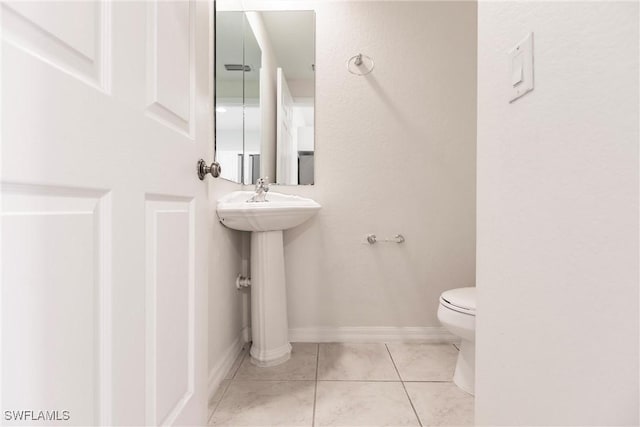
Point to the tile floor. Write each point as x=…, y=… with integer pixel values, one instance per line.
x=396, y=384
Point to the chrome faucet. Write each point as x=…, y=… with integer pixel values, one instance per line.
x=262, y=188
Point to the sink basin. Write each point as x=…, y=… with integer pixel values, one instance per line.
x=279, y=212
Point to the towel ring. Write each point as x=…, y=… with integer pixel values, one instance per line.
x=355, y=63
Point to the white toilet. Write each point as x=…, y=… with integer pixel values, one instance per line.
x=457, y=313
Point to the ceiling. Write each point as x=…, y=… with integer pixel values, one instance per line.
x=292, y=36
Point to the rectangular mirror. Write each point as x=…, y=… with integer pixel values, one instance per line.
x=265, y=96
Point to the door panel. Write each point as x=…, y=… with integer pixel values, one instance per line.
x=73, y=39
x=55, y=304
x=105, y=112
x=287, y=151
x=170, y=307
x=170, y=63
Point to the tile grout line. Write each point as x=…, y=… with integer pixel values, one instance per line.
x=254, y=380
x=241, y=356
x=315, y=389
x=219, y=401
x=244, y=355
x=403, y=386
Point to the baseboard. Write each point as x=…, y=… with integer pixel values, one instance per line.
x=430, y=334
x=218, y=372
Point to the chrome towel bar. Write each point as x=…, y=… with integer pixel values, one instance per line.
x=373, y=239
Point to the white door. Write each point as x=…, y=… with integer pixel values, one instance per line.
x=105, y=112
x=287, y=151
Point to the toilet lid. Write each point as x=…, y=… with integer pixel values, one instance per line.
x=464, y=298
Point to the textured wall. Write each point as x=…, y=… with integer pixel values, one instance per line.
x=557, y=324
x=225, y=302
x=395, y=153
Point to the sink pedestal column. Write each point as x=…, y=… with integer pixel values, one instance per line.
x=269, y=326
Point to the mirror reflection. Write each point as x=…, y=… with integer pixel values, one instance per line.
x=265, y=95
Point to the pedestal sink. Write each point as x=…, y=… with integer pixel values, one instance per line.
x=266, y=221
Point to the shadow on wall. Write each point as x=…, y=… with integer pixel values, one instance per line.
x=410, y=127
x=391, y=105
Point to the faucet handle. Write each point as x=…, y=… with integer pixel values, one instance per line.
x=263, y=183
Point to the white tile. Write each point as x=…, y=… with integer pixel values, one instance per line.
x=217, y=396
x=301, y=366
x=213, y=400
x=441, y=404
x=346, y=403
x=424, y=362
x=266, y=403
x=370, y=362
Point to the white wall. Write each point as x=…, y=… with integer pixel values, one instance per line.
x=268, y=94
x=226, y=306
x=557, y=324
x=395, y=153
x=301, y=88
x=225, y=302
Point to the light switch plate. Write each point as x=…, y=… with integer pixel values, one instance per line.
x=521, y=68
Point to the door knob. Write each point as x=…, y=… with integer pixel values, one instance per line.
x=203, y=169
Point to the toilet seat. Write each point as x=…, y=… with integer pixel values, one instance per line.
x=462, y=300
